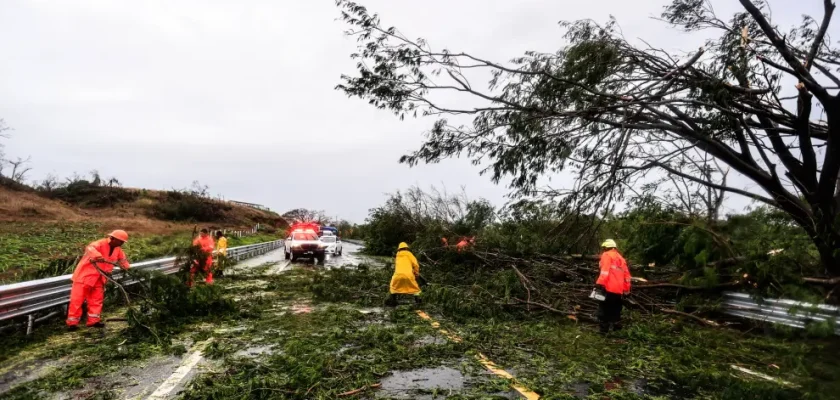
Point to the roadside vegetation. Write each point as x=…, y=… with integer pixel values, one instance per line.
x=43, y=229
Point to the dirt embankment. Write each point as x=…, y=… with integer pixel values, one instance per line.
x=136, y=210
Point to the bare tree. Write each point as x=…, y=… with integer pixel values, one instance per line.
x=49, y=183
x=613, y=112
x=20, y=168
x=305, y=215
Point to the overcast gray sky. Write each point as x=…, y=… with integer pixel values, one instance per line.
x=238, y=94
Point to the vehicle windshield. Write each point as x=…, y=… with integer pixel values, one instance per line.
x=304, y=236
x=328, y=239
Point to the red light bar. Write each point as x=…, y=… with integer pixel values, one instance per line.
x=308, y=227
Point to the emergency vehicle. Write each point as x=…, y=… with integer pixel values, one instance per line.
x=303, y=242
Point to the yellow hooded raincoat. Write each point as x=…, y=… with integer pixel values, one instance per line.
x=406, y=269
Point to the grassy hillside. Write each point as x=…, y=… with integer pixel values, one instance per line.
x=42, y=233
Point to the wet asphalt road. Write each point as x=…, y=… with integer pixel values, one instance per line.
x=278, y=262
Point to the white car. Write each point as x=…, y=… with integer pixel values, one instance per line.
x=333, y=243
x=305, y=244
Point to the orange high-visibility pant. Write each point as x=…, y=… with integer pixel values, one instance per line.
x=92, y=291
x=208, y=274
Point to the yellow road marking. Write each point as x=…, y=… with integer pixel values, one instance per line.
x=490, y=365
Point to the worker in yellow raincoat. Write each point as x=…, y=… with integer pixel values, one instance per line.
x=404, y=281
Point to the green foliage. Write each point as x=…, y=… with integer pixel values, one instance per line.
x=422, y=218
x=171, y=299
x=364, y=286
x=616, y=114
x=315, y=343
x=675, y=359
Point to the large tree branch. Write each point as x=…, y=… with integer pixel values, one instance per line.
x=809, y=157
x=779, y=43
x=818, y=39
x=744, y=193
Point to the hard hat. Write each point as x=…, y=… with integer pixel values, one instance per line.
x=609, y=243
x=403, y=245
x=119, y=234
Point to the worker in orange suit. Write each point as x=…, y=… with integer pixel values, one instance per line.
x=614, y=280
x=462, y=245
x=89, y=280
x=205, y=241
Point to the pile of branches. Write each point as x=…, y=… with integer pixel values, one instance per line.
x=158, y=304
x=493, y=281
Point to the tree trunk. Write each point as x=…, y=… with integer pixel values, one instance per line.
x=827, y=241
x=829, y=259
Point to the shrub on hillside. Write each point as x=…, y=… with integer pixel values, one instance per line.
x=88, y=194
x=93, y=193
x=13, y=185
x=186, y=205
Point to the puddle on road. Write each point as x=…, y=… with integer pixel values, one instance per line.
x=255, y=351
x=579, y=390
x=429, y=341
x=635, y=386
x=140, y=381
x=239, y=328
x=27, y=372
x=408, y=384
x=251, y=285
x=272, y=257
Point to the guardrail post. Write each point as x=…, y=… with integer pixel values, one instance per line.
x=29, y=324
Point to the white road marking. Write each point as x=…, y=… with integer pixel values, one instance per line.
x=186, y=366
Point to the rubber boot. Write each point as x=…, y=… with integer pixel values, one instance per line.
x=391, y=301
x=604, y=327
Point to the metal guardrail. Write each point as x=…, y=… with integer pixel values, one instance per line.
x=25, y=298
x=792, y=313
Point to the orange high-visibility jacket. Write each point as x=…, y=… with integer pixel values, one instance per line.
x=85, y=271
x=206, y=243
x=615, y=276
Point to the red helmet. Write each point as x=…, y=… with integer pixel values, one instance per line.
x=119, y=234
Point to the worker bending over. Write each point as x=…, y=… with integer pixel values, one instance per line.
x=203, y=262
x=89, y=278
x=404, y=281
x=615, y=281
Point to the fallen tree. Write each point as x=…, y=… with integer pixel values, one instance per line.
x=620, y=115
